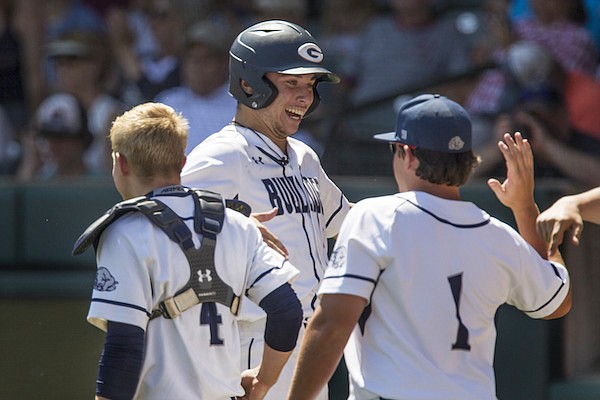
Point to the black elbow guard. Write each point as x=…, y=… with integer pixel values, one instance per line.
x=284, y=317
x=121, y=361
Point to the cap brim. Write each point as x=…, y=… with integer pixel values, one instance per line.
x=328, y=75
x=387, y=137
x=67, y=48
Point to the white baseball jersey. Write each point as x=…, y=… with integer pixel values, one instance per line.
x=241, y=163
x=196, y=355
x=434, y=272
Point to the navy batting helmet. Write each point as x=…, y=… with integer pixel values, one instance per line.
x=273, y=46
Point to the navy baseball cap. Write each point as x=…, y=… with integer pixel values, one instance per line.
x=432, y=122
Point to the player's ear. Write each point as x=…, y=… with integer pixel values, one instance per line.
x=121, y=163
x=409, y=158
x=246, y=88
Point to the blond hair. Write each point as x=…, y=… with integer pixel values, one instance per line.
x=153, y=137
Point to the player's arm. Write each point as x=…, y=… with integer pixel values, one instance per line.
x=121, y=361
x=516, y=192
x=323, y=344
x=284, y=317
x=566, y=216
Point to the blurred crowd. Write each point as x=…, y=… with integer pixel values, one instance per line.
x=68, y=67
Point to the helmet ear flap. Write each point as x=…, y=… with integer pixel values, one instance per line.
x=315, y=103
x=264, y=94
x=263, y=90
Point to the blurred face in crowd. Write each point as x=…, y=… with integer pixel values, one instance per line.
x=165, y=24
x=552, y=10
x=65, y=151
x=413, y=11
x=204, y=68
x=75, y=73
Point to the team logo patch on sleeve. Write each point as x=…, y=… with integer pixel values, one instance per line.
x=105, y=282
x=338, y=258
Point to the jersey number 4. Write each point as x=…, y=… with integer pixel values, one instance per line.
x=462, y=336
x=209, y=316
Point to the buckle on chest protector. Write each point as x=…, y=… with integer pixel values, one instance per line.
x=172, y=307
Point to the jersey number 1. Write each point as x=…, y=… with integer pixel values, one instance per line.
x=462, y=336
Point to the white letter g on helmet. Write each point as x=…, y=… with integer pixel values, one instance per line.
x=310, y=52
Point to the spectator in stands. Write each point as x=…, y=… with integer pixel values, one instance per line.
x=59, y=140
x=204, y=98
x=131, y=26
x=145, y=77
x=62, y=17
x=542, y=113
x=9, y=148
x=13, y=73
x=342, y=22
x=295, y=11
x=554, y=27
x=409, y=49
x=586, y=12
x=83, y=63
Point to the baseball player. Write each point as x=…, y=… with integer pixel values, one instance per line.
x=415, y=278
x=275, y=67
x=163, y=341
x=566, y=216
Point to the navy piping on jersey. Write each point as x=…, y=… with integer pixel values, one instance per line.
x=121, y=304
x=562, y=285
x=282, y=161
x=364, y=278
x=445, y=221
x=364, y=316
x=264, y=274
x=310, y=249
x=336, y=212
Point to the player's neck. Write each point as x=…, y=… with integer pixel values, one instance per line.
x=249, y=121
x=442, y=191
x=142, y=186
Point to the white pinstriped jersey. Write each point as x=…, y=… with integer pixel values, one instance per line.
x=197, y=354
x=434, y=272
x=241, y=163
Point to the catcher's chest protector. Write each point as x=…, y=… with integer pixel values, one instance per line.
x=204, y=284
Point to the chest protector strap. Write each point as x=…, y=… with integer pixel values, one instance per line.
x=204, y=284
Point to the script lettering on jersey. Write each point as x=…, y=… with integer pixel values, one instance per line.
x=290, y=195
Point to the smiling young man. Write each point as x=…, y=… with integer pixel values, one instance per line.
x=275, y=67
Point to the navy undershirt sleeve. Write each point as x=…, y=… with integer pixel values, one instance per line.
x=121, y=361
x=284, y=317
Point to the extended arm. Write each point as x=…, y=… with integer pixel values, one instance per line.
x=516, y=192
x=284, y=317
x=326, y=336
x=566, y=216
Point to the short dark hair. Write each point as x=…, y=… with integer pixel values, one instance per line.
x=453, y=169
